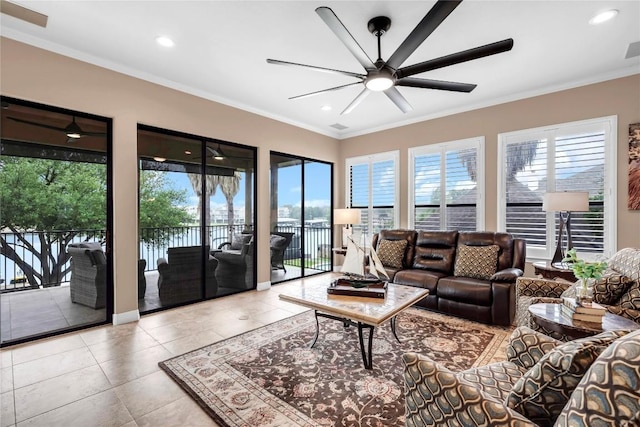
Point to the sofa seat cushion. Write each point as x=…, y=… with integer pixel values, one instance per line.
x=495, y=379
x=543, y=391
x=420, y=278
x=391, y=252
x=479, y=262
x=467, y=290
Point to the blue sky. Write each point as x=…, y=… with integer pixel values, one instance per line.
x=317, y=192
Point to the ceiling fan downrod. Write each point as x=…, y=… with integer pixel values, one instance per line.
x=378, y=26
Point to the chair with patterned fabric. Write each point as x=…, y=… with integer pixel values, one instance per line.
x=618, y=290
x=88, y=284
x=544, y=382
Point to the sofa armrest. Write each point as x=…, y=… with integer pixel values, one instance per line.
x=526, y=346
x=224, y=245
x=507, y=275
x=529, y=287
x=436, y=396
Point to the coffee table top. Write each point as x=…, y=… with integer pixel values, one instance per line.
x=550, y=316
x=372, y=311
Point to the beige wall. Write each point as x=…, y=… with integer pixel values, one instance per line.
x=619, y=97
x=37, y=75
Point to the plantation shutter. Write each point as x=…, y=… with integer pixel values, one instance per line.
x=427, y=192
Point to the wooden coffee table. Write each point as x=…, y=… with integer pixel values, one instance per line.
x=363, y=312
x=550, y=317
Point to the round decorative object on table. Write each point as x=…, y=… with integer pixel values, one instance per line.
x=550, y=317
x=549, y=271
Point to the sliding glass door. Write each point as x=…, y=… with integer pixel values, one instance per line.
x=55, y=262
x=301, y=195
x=196, y=203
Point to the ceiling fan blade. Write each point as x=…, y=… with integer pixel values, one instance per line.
x=394, y=95
x=456, y=58
x=345, y=37
x=42, y=125
x=314, y=68
x=435, y=84
x=429, y=23
x=356, y=101
x=324, y=91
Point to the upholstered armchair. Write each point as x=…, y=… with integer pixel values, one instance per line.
x=180, y=278
x=88, y=283
x=544, y=382
x=235, y=269
x=618, y=290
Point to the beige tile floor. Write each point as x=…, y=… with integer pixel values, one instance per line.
x=109, y=375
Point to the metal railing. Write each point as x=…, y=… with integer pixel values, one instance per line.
x=154, y=242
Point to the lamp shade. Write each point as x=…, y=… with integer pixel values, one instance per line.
x=566, y=201
x=346, y=216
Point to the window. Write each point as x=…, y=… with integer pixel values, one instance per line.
x=577, y=156
x=449, y=168
x=372, y=187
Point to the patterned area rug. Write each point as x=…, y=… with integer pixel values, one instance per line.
x=270, y=376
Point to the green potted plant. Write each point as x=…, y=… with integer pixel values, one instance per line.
x=586, y=272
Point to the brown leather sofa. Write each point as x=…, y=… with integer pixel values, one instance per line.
x=429, y=261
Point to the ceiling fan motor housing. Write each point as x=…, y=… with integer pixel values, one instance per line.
x=379, y=25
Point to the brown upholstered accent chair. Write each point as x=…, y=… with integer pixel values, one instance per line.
x=544, y=382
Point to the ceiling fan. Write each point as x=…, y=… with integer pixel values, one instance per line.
x=386, y=75
x=72, y=130
x=218, y=154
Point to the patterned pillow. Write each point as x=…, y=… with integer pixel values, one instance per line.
x=631, y=298
x=477, y=262
x=626, y=261
x=542, y=392
x=608, y=289
x=391, y=252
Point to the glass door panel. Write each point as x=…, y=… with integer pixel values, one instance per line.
x=317, y=217
x=55, y=267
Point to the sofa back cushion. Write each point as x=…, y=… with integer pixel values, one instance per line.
x=435, y=250
x=543, y=391
x=408, y=235
x=486, y=238
x=477, y=262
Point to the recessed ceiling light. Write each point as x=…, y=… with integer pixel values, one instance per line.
x=160, y=159
x=187, y=152
x=164, y=41
x=326, y=108
x=603, y=17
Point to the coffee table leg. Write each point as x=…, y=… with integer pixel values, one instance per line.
x=367, y=357
x=315, y=337
x=393, y=328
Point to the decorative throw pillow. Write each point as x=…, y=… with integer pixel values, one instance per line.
x=476, y=262
x=542, y=392
x=610, y=287
x=391, y=252
x=239, y=240
x=631, y=298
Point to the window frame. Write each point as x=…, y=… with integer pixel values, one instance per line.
x=369, y=160
x=609, y=126
x=443, y=148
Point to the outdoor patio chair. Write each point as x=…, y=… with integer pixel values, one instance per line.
x=88, y=274
x=235, y=269
x=279, y=242
x=180, y=278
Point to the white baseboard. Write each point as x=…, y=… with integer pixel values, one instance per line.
x=127, y=317
x=263, y=286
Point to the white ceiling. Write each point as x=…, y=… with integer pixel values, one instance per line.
x=222, y=46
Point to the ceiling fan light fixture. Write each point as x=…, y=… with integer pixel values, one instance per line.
x=378, y=81
x=73, y=130
x=603, y=16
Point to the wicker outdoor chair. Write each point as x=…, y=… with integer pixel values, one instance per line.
x=88, y=283
x=180, y=278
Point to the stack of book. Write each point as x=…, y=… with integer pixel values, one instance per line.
x=574, y=310
x=359, y=288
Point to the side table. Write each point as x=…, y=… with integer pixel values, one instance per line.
x=550, y=316
x=547, y=271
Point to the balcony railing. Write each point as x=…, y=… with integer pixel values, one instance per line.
x=154, y=243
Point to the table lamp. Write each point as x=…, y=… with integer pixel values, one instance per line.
x=346, y=217
x=564, y=202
